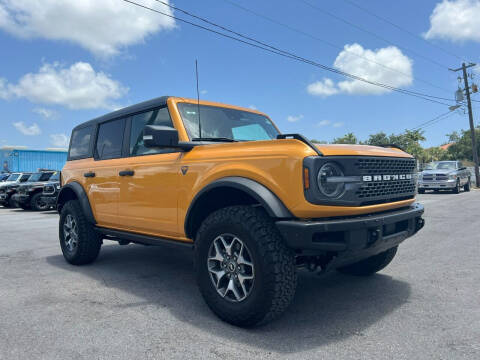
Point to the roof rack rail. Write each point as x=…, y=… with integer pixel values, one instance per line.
x=302, y=139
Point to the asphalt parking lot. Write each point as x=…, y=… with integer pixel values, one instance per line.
x=142, y=302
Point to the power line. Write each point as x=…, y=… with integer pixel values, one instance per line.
x=371, y=13
x=283, y=53
x=291, y=28
x=373, y=34
x=432, y=121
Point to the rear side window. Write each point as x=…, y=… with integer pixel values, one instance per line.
x=110, y=140
x=24, y=177
x=154, y=117
x=80, y=143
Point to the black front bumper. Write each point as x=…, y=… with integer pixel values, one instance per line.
x=352, y=239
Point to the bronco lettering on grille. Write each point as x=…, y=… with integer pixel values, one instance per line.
x=368, y=178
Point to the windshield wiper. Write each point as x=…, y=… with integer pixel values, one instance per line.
x=220, y=139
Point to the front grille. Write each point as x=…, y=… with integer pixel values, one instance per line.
x=386, y=189
x=435, y=177
x=385, y=166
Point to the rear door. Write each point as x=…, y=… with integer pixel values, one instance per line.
x=149, y=189
x=102, y=180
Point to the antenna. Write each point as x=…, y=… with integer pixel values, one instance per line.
x=198, y=101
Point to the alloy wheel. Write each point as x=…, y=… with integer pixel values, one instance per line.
x=70, y=233
x=231, y=267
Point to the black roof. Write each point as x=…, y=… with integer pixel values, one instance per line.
x=149, y=104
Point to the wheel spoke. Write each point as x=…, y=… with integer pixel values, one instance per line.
x=233, y=288
x=218, y=253
x=228, y=248
x=219, y=275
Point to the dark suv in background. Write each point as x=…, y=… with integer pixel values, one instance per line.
x=51, y=191
x=29, y=194
x=9, y=186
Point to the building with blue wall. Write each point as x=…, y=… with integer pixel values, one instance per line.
x=17, y=159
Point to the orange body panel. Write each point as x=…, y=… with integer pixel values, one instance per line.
x=156, y=199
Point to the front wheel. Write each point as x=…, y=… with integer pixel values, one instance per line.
x=79, y=242
x=245, y=272
x=456, y=189
x=37, y=203
x=370, y=265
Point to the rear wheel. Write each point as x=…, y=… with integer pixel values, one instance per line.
x=79, y=242
x=245, y=272
x=37, y=203
x=466, y=187
x=370, y=265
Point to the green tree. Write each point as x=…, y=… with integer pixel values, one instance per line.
x=315, y=141
x=462, y=149
x=349, y=138
x=378, y=139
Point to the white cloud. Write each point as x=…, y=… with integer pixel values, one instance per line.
x=203, y=92
x=46, y=113
x=324, y=123
x=102, y=27
x=59, y=140
x=31, y=130
x=253, y=107
x=337, y=124
x=76, y=87
x=323, y=88
x=294, y=118
x=356, y=60
x=456, y=20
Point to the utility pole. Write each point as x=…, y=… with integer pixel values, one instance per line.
x=470, y=117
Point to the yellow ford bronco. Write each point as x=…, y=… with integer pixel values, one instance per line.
x=253, y=203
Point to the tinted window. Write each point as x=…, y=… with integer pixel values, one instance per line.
x=110, y=139
x=55, y=176
x=13, y=177
x=24, y=177
x=80, y=144
x=154, y=117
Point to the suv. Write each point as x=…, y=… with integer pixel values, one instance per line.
x=29, y=195
x=253, y=203
x=51, y=190
x=444, y=175
x=8, y=187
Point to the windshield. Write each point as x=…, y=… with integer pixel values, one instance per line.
x=441, y=165
x=13, y=177
x=39, y=177
x=219, y=122
x=55, y=176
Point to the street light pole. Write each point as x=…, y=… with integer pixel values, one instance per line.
x=470, y=118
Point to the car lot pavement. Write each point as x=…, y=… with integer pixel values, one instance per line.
x=140, y=302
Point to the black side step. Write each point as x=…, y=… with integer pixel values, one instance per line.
x=141, y=239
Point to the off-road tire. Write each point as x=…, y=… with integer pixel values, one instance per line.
x=89, y=242
x=275, y=272
x=421, y=191
x=456, y=189
x=466, y=187
x=370, y=265
x=34, y=205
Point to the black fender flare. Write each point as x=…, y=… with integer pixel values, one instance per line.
x=80, y=194
x=264, y=196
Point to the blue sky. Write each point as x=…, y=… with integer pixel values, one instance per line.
x=64, y=63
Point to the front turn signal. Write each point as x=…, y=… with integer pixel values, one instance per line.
x=306, y=178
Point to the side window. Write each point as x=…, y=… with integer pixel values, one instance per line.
x=460, y=165
x=24, y=178
x=80, y=144
x=154, y=117
x=110, y=140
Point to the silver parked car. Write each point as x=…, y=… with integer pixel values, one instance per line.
x=444, y=175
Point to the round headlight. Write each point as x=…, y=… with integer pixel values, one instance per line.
x=329, y=181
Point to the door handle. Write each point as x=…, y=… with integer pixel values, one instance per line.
x=126, y=173
x=89, y=174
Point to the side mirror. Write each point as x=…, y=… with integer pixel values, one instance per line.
x=160, y=136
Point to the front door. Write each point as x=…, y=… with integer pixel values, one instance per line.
x=149, y=191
